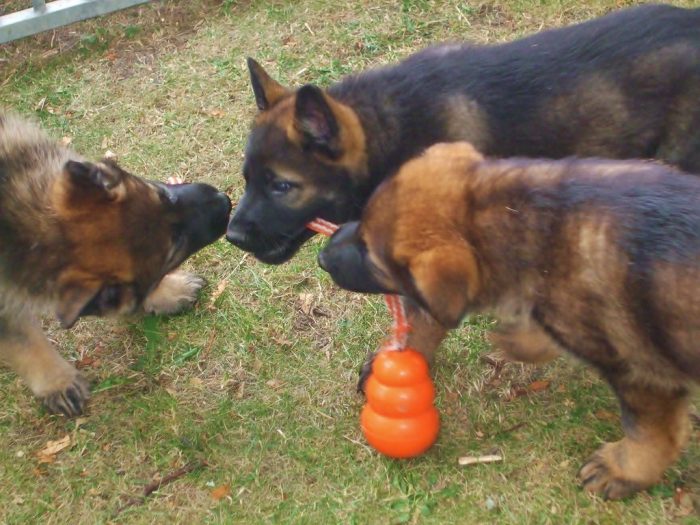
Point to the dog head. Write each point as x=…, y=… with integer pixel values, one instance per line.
x=305, y=158
x=123, y=234
x=411, y=238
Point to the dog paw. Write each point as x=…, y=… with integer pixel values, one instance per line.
x=365, y=371
x=69, y=401
x=176, y=292
x=601, y=475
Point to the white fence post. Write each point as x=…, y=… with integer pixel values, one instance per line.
x=43, y=16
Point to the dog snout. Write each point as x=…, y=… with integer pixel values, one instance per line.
x=227, y=201
x=237, y=234
x=323, y=261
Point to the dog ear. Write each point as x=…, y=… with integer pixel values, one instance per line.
x=316, y=123
x=92, y=177
x=267, y=91
x=72, y=300
x=446, y=279
x=96, y=179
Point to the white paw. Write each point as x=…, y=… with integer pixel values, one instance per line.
x=176, y=292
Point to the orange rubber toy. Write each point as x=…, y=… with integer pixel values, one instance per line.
x=399, y=419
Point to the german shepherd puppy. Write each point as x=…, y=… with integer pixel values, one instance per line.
x=599, y=258
x=624, y=85
x=79, y=239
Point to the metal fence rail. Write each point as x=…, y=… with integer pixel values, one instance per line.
x=43, y=16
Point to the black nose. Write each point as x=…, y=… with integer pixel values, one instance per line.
x=237, y=234
x=322, y=260
x=228, y=202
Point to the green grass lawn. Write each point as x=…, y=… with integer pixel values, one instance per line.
x=258, y=382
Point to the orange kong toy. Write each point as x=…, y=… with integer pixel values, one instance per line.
x=399, y=419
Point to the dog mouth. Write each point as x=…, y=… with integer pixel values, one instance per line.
x=284, y=248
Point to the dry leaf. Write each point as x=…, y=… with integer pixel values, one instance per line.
x=46, y=459
x=538, y=386
x=66, y=141
x=48, y=453
x=282, y=341
x=105, y=143
x=684, y=502
x=274, y=383
x=516, y=392
x=111, y=56
x=216, y=113
x=306, y=300
x=217, y=293
x=605, y=415
x=84, y=362
x=221, y=492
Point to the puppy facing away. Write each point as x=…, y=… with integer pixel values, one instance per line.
x=598, y=258
x=80, y=238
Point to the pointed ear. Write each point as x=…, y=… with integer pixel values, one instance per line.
x=95, y=178
x=446, y=279
x=267, y=91
x=72, y=300
x=315, y=121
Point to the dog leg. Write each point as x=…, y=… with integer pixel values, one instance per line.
x=656, y=426
x=526, y=343
x=426, y=336
x=176, y=292
x=26, y=350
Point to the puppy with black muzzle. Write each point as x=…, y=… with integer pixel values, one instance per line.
x=80, y=238
x=624, y=85
x=593, y=257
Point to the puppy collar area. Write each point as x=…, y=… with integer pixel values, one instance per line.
x=400, y=326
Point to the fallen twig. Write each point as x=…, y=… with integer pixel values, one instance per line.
x=501, y=433
x=476, y=460
x=156, y=485
x=515, y=427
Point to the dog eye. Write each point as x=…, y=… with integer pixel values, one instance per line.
x=280, y=187
x=109, y=297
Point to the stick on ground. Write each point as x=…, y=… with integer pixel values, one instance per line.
x=476, y=460
x=156, y=485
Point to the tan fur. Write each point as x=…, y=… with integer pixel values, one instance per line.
x=472, y=237
x=459, y=109
x=176, y=292
x=66, y=238
x=526, y=343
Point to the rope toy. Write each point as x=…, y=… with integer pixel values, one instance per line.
x=399, y=419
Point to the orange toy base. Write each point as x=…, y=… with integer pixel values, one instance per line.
x=399, y=437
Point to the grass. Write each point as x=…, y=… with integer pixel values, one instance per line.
x=259, y=383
